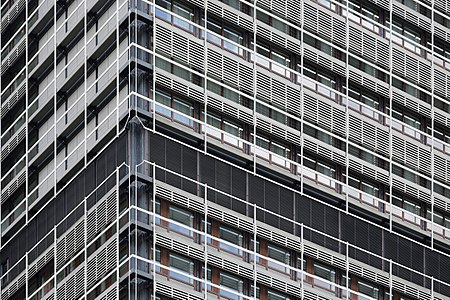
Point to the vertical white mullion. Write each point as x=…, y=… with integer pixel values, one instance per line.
x=347, y=115
x=54, y=98
x=390, y=280
x=432, y=287
x=346, y=262
x=26, y=275
x=85, y=84
x=255, y=271
x=130, y=167
x=85, y=145
x=154, y=68
x=55, y=239
x=27, y=87
x=54, y=128
x=117, y=231
x=390, y=115
x=135, y=215
x=205, y=81
x=432, y=137
x=255, y=83
x=1, y=130
x=154, y=228
x=302, y=256
x=205, y=253
x=302, y=104
x=117, y=70
x=432, y=127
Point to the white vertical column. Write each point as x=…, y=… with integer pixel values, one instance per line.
x=432, y=138
x=347, y=265
x=55, y=135
x=347, y=115
x=302, y=255
x=135, y=216
x=255, y=231
x=255, y=83
x=432, y=126
x=205, y=228
x=154, y=227
x=390, y=115
x=117, y=68
x=205, y=85
x=302, y=105
x=85, y=84
x=117, y=231
x=85, y=144
x=390, y=280
x=27, y=129
x=154, y=67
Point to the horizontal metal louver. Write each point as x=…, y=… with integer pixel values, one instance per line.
x=14, y=185
x=103, y=214
x=441, y=169
x=12, y=56
x=13, y=142
x=442, y=84
x=101, y=263
x=411, y=16
x=321, y=23
x=73, y=287
x=230, y=14
x=69, y=244
x=13, y=13
x=13, y=98
x=225, y=68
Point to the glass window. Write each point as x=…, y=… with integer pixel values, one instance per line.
x=181, y=11
x=368, y=289
x=181, y=216
x=273, y=59
x=328, y=82
x=232, y=236
x=232, y=282
x=208, y=279
x=281, y=255
x=267, y=111
x=252, y=243
x=274, y=295
x=183, y=266
x=185, y=108
x=272, y=21
x=328, y=4
x=223, y=91
x=158, y=259
x=406, y=36
x=326, y=273
x=231, y=132
x=299, y=267
x=369, y=15
x=233, y=3
x=166, y=100
x=223, y=35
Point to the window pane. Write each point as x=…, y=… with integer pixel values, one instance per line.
x=368, y=289
x=280, y=255
x=231, y=236
x=231, y=282
x=182, y=216
x=184, y=265
x=324, y=272
x=184, y=108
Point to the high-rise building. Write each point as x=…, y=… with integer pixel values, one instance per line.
x=225, y=149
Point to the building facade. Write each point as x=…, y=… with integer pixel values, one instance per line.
x=225, y=149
